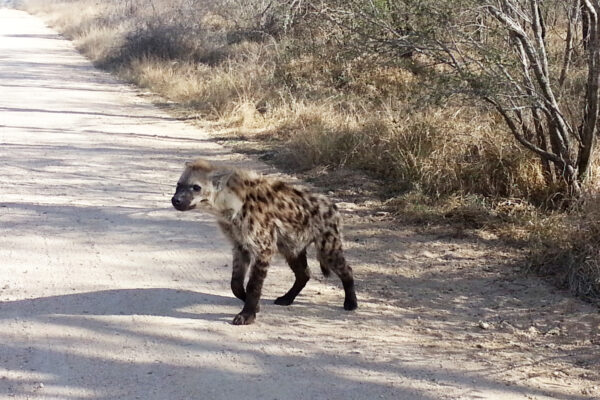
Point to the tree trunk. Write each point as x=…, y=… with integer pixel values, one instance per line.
x=585, y=25
x=589, y=127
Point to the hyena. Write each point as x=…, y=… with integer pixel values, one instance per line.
x=260, y=216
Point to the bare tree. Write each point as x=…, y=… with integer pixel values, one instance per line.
x=567, y=144
x=505, y=53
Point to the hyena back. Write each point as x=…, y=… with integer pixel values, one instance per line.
x=262, y=216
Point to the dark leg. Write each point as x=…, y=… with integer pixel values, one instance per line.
x=350, y=301
x=300, y=268
x=253, y=291
x=335, y=260
x=241, y=259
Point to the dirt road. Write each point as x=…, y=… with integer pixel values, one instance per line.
x=106, y=292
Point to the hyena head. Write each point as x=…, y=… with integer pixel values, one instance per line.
x=195, y=186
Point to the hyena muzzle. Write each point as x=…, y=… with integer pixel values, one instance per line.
x=262, y=216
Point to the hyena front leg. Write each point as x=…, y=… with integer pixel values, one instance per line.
x=241, y=260
x=300, y=268
x=258, y=273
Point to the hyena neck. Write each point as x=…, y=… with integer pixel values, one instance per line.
x=225, y=202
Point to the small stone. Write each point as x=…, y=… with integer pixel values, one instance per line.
x=554, y=331
x=533, y=330
x=484, y=325
x=429, y=254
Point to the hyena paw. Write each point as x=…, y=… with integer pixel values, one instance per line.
x=244, y=319
x=283, y=301
x=350, y=304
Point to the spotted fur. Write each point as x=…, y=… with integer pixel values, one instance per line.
x=262, y=216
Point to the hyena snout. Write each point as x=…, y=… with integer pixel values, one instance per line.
x=181, y=202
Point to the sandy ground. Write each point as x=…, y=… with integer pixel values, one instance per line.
x=106, y=292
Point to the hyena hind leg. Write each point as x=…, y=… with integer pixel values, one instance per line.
x=333, y=259
x=299, y=265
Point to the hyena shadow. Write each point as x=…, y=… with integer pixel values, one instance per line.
x=163, y=302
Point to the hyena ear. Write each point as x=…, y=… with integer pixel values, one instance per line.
x=217, y=177
x=199, y=165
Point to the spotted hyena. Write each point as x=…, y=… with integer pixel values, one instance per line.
x=260, y=216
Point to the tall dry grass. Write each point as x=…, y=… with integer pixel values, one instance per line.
x=322, y=103
x=567, y=247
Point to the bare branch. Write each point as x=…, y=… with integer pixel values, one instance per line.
x=519, y=136
x=541, y=74
x=573, y=17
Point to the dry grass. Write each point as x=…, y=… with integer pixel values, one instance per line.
x=449, y=160
x=567, y=246
x=217, y=92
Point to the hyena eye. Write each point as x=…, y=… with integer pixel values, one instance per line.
x=196, y=188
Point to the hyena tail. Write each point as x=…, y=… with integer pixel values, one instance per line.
x=330, y=241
